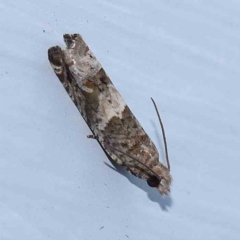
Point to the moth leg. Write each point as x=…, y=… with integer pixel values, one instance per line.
x=109, y=153
x=113, y=156
x=76, y=44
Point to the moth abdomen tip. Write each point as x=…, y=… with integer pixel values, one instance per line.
x=55, y=55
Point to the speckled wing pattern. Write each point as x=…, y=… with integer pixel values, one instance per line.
x=106, y=113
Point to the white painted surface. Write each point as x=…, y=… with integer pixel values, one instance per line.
x=53, y=180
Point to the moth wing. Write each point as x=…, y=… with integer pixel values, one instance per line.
x=128, y=145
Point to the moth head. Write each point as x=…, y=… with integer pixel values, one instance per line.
x=158, y=176
x=161, y=179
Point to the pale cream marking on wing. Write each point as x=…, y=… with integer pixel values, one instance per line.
x=57, y=69
x=79, y=74
x=86, y=89
x=109, y=109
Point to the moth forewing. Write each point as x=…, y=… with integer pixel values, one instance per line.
x=106, y=113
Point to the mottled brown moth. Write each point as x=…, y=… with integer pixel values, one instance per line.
x=109, y=118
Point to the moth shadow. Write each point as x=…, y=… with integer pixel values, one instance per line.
x=164, y=202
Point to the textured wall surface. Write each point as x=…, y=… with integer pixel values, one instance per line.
x=53, y=180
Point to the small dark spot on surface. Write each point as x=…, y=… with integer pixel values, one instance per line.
x=101, y=228
x=44, y=31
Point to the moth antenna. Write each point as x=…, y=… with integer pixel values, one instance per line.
x=115, y=149
x=163, y=133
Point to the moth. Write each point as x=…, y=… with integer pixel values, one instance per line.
x=105, y=112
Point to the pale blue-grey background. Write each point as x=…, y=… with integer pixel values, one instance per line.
x=53, y=180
